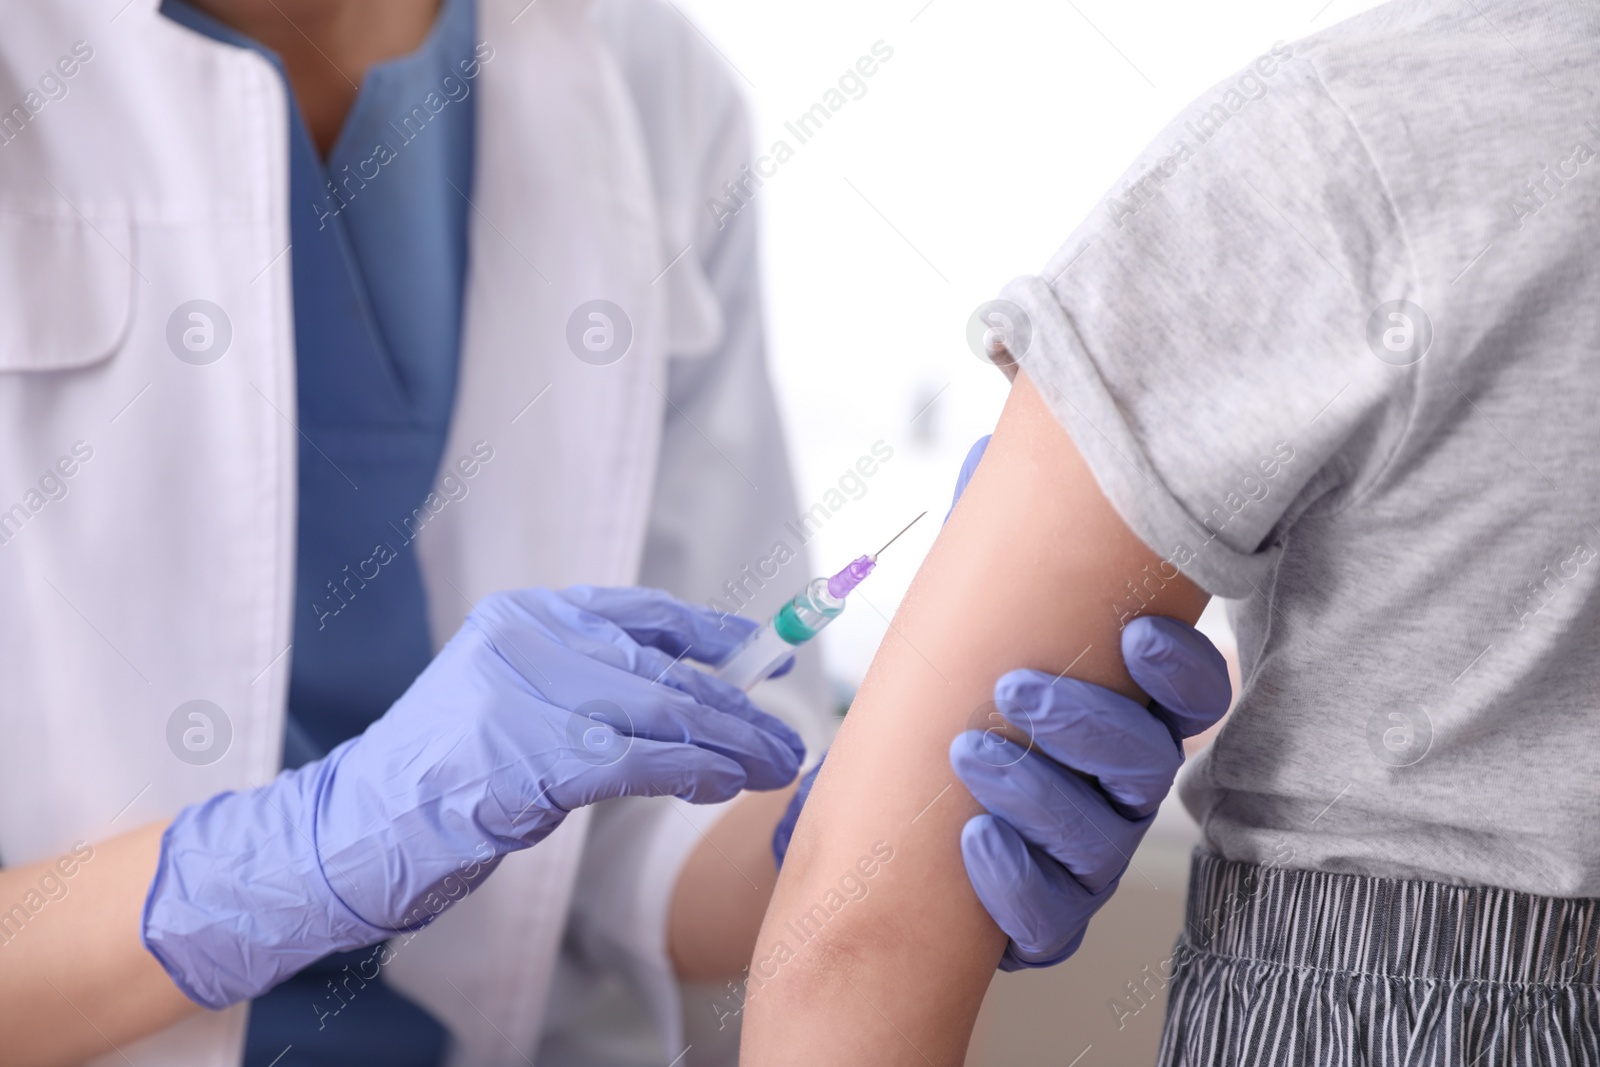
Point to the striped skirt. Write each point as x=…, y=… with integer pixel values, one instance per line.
x=1283, y=967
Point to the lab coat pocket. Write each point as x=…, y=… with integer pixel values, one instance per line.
x=66, y=290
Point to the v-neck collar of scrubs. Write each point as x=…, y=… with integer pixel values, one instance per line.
x=384, y=289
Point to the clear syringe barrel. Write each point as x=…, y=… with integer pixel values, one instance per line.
x=797, y=622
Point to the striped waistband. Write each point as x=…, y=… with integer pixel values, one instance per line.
x=1352, y=924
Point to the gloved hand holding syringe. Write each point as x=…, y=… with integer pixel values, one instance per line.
x=798, y=621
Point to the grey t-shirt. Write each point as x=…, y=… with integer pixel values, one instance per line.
x=1330, y=348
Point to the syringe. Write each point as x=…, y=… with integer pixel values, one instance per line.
x=798, y=621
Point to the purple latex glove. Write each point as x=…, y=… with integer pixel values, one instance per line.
x=542, y=702
x=791, y=815
x=1065, y=814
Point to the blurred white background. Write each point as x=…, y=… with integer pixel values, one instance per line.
x=992, y=130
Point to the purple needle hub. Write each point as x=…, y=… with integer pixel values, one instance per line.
x=843, y=583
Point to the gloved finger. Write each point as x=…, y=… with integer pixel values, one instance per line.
x=715, y=693
x=784, y=833
x=641, y=767
x=1054, y=810
x=783, y=668
x=1094, y=731
x=1042, y=908
x=1181, y=670
x=592, y=668
x=656, y=618
x=653, y=648
x=585, y=619
x=768, y=751
x=968, y=466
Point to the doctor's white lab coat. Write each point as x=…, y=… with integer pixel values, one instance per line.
x=147, y=502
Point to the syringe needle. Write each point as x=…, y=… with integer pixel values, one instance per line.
x=896, y=537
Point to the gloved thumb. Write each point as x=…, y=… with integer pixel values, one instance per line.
x=1181, y=670
x=968, y=466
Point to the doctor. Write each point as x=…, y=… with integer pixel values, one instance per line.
x=285, y=363
x=274, y=421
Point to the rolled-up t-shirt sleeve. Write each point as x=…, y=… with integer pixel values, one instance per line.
x=1204, y=334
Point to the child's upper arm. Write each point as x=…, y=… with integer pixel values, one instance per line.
x=1030, y=571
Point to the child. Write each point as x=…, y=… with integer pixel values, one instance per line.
x=1329, y=351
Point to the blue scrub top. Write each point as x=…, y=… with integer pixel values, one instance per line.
x=379, y=254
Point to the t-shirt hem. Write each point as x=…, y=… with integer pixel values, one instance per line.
x=1066, y=376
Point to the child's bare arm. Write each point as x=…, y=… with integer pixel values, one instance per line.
x=1030, y=571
